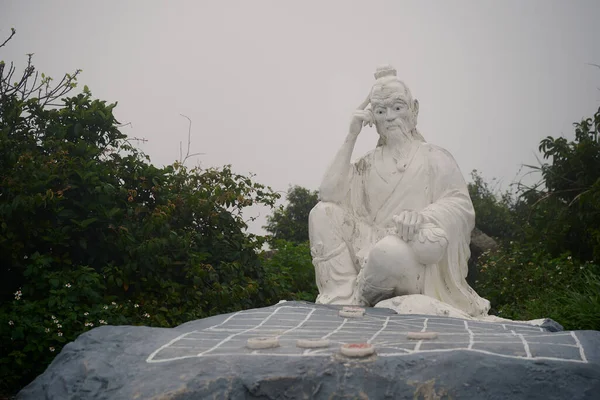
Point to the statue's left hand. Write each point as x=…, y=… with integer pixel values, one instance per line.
x=407, y=224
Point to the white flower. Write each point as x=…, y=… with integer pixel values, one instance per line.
x=47, y=330
x=68, y=285
x=25, y=257
x=53, y=317
x=568, y=258
x=85, y=314
x=51, y=349
x=113, y=303
x=59, y=326
x=18, y=295
x=102, y=322
x=147, y=315
x=580, y=267
x=59, y=333
x=11, y=323
x=106, y=307
x=136, y=305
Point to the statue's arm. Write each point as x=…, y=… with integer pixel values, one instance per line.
x=452, y=203
x=336, y=182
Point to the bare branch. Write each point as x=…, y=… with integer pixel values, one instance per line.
x=12, y=33
x=182, y=159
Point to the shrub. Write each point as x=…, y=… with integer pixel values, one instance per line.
x=92, y=233
x=524, y=282
x=291, y=222
x=493, y=212
x=291, y=272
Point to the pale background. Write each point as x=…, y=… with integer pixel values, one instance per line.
x=270, y=85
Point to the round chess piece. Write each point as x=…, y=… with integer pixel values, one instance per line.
x=258, y=343
x=357, y=349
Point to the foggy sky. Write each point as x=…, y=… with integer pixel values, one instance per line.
x=271, y=85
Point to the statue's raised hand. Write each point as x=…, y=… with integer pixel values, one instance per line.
x=407, y=224
x=361, y=117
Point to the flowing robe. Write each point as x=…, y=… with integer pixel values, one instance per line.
x=428, y=181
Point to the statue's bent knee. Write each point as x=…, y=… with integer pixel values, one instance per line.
x=334, y=266
x=326, y=227
x=393, y=267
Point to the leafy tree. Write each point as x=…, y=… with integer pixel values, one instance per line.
x=290, y=223
x=552, y=268
x=290, y=259
x=292, y=264
x=91, y=233
x=523, y=281
x=493, y=213
x=564, y=208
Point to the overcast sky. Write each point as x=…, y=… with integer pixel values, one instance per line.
x=270, y=85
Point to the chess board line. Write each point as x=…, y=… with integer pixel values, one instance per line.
x=525, y=345
x=324, y=353
x=385, y=324
x=488, y=353
x=224, y=322
x=150, y=358
x=340, y=326
x=228, y=338
x=471, y=335
x=420, y=342
x=578, y=343
x=356, y=327
x=299, y=324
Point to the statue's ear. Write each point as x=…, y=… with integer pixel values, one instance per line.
x=416, y=106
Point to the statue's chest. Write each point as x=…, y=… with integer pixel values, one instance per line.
x=388, y=188
x=381, y=183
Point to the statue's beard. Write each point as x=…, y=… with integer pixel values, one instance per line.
x=400, y=133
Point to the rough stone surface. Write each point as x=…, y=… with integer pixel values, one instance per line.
x=208, y=359
x=480, y=242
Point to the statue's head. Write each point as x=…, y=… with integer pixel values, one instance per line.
x=393, y=106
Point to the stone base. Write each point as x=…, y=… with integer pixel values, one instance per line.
x=425, y=305
x=209, y=358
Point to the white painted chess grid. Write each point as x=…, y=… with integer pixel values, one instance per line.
x=289, y=324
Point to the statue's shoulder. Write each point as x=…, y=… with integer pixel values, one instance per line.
x=437, y=153
x=363, y=163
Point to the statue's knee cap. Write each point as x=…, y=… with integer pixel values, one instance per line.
x=390, y=248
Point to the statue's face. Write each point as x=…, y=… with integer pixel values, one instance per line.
x=394, y=110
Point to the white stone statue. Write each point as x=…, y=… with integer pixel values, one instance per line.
x=397, y=222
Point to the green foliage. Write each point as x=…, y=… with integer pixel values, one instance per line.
x=564, y=209
x=92, y=233
x=493, y=213
x=522, y=281
x=552, y=267
x=291, y=223
x=291, y=271
x=289, y=263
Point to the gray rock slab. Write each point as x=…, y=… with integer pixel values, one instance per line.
x=208, y=358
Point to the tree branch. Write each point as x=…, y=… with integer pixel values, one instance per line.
x=12, y=33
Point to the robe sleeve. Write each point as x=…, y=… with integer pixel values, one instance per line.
x=452, y=210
